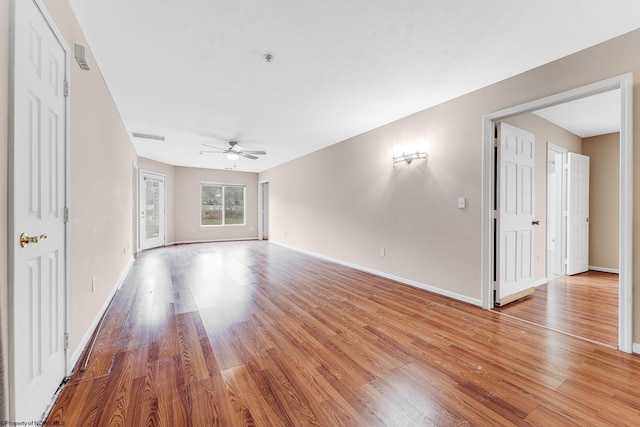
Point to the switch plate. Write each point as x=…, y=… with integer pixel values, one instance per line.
x=382, y=252
x=462, y=202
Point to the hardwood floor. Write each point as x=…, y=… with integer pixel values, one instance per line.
x=584, y=305
x=250, y=333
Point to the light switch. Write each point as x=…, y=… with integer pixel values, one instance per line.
x=462, y=202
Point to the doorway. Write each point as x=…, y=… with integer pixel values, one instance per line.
x=152, y=210
x=624, y=84
x=263, y=207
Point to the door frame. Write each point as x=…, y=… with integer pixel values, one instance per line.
x=625, y=84
x=12, y=190
x=163, y=225
x=261, y=207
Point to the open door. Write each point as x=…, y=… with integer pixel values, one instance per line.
x=515, y=208
x=578, y=214
x=37, y=230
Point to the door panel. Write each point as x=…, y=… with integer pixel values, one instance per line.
x=37, y=191
x=152, y=210
x=515, y=168
x=578, y=214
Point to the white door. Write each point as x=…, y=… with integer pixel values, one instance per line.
x=37, y=306
x=556, y=208
x=151, y=210
x=515, y=181
x=578, y=214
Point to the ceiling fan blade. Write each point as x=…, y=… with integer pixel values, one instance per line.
x=211, y=152
x=248, y=156
x=223, y=150
x=255, y=152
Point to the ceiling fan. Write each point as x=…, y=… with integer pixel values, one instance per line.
x=234, y=152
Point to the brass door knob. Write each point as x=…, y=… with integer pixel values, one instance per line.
x=535, y=222
x=25, y=239
x=588, y=219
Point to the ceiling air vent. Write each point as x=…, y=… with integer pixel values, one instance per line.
x=147, y=136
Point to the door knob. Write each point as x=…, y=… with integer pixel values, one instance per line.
x=535, y=222
x=588, y=219
x=25, y=239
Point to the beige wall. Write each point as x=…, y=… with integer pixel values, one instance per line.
x=604, y=200
x=546, y=133
x=348, y=200
x=101, y=182
x=187, y=205
x=169, y=172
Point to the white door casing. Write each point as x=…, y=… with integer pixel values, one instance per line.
x=623, y=83
x=577, y=213
x=515, y=242
x=37, y=271
x=152, y=210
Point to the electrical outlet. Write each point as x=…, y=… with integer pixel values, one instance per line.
x=462, y=202
x=382, y=252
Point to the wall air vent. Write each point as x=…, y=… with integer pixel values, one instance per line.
x=147, y=136
x=82, y=57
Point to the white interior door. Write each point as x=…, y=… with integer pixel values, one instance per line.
x=152, y=210
x=37, y=327
x=578, y=214
x=556, y=208
x=515, y=210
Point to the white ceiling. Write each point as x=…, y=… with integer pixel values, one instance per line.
x=592, y=116
x=195, y=71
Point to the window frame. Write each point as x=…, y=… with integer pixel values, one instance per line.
x=224, y=186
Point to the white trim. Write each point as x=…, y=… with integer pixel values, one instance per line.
x=231, y=239
x=413, y=283
x=604, y=269
x=87, y=336
x=540, y=282
x=625, y=84
x=635, y=348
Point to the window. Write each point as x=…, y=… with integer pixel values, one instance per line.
x=222, y=204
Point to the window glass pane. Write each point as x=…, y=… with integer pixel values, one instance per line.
x=152, y=209
x=234, y=205
x=211, y=206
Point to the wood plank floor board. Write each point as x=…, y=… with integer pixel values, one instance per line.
x=584, y=305
x=254, y=334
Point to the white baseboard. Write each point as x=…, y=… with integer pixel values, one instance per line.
x=415, y=284
x=185, y=242
x=635, y=348
x=540, y=282
x=604, y=269
x=85, y=340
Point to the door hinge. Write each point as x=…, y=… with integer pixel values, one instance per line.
x=66, y=215
x=66, y=340
x=66, y=88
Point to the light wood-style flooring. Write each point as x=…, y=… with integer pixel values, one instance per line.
x=254, y=334
x=584, y=305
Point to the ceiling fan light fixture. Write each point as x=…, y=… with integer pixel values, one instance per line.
x=232, y=156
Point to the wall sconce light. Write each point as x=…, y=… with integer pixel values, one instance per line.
x=409, y=156
x=82, y=57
